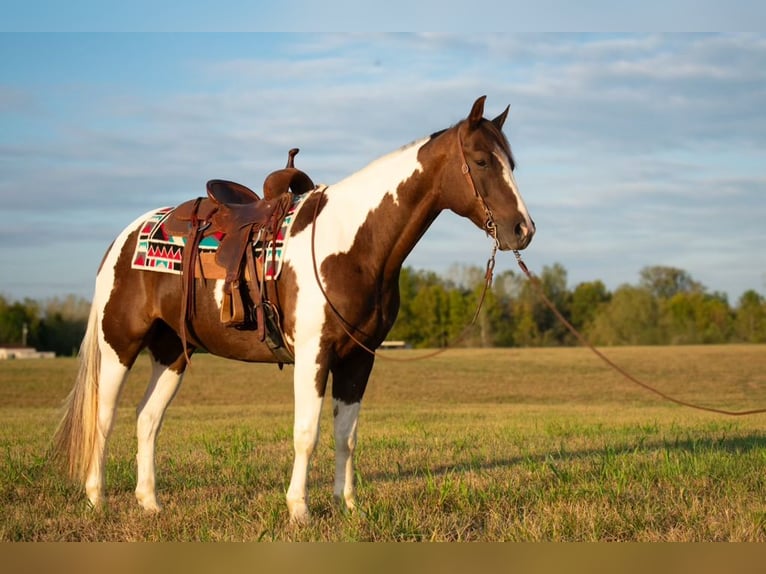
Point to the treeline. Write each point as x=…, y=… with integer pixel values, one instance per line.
x=666, y=306
x=56, y=324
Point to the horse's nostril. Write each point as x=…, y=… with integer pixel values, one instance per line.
x=520, y=230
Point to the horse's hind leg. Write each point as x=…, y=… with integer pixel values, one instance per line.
x=112, y=374
x=168, y=365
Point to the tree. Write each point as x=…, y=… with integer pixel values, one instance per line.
x=403, y=328
x=750, y=320
x=15, y=317
x=553, y=279
x=586, y=300
x=695, y=317
x=664, y=282
x=667, y=306
x=630, y=318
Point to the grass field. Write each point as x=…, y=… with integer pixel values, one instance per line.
x=520, y=444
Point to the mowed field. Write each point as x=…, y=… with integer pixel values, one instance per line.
x=512, y=444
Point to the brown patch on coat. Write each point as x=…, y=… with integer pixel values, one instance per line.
x=126, y=314
x=309, y=209
x=363, y=283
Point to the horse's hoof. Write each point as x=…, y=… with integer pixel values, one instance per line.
x=345, y=505
x=149, y=504
x=348, y=507
x=299, y=512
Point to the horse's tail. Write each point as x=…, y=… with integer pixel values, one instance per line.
x=76, y=434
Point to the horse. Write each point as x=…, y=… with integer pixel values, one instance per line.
x=338, y=294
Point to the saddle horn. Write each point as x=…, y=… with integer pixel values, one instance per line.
x=291, y=157
x=289, y=178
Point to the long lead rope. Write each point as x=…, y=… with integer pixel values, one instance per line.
x=548, y=303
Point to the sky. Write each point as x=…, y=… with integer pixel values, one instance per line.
x=632, y=149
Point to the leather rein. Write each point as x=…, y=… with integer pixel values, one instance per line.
x=489, y=227
x=584, y=342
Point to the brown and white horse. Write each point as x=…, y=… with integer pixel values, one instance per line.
x=366, y=224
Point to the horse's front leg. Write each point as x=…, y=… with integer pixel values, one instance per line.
x=348, y=384
x=309, y=383
x=346, y=417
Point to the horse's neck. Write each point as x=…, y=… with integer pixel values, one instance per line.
x=373, y=198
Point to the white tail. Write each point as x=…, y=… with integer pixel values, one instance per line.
x=76, y=434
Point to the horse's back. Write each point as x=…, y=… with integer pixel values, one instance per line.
x=134, y=300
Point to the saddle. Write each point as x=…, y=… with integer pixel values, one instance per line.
x=239, y=218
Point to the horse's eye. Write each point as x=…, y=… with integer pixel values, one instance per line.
x=481, y=162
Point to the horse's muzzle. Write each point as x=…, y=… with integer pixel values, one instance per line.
x=518, y=236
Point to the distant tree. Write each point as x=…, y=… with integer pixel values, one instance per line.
x=586, y=300
x=503, y=320
x=63, y=324
x=630, y=318
x=521, y=310
x=61, y=335
x=526, y=332
x=553, y=279
x=464, y=286
x=664, y=282
x=667, y=306
x=404, y=328
x=695, y=317
x=459, y=313
x=15, y=317
x=750, y=321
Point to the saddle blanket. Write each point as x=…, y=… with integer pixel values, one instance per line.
x=157, y=250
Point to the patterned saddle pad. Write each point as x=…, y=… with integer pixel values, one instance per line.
x=157, y=250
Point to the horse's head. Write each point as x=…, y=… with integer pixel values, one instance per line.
x=482, y=187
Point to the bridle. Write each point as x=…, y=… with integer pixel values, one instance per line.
x=489, y=227
x=489, y=223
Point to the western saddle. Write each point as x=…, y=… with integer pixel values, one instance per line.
x=235, y=214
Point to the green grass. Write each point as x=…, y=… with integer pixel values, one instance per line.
x=532, y=444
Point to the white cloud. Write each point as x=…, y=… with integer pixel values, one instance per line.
x=624, y=143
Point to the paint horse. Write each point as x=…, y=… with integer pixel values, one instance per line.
x=353, y=237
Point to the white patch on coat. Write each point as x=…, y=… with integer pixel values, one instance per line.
x=105, y=280
x=349, y=203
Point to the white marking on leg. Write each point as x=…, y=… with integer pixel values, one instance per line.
x=162, y=388
x=346, y=417
x=111, y=377
x=308, y=407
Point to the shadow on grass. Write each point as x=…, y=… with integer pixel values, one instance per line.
x=752, y=442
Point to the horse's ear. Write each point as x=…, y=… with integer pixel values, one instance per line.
x=477, y=112
x=500, y=120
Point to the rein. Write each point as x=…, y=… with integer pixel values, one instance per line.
x=489, y=227
x=348, y=326
x=535, y=281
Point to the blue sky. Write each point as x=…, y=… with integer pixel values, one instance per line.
x=632, y=150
